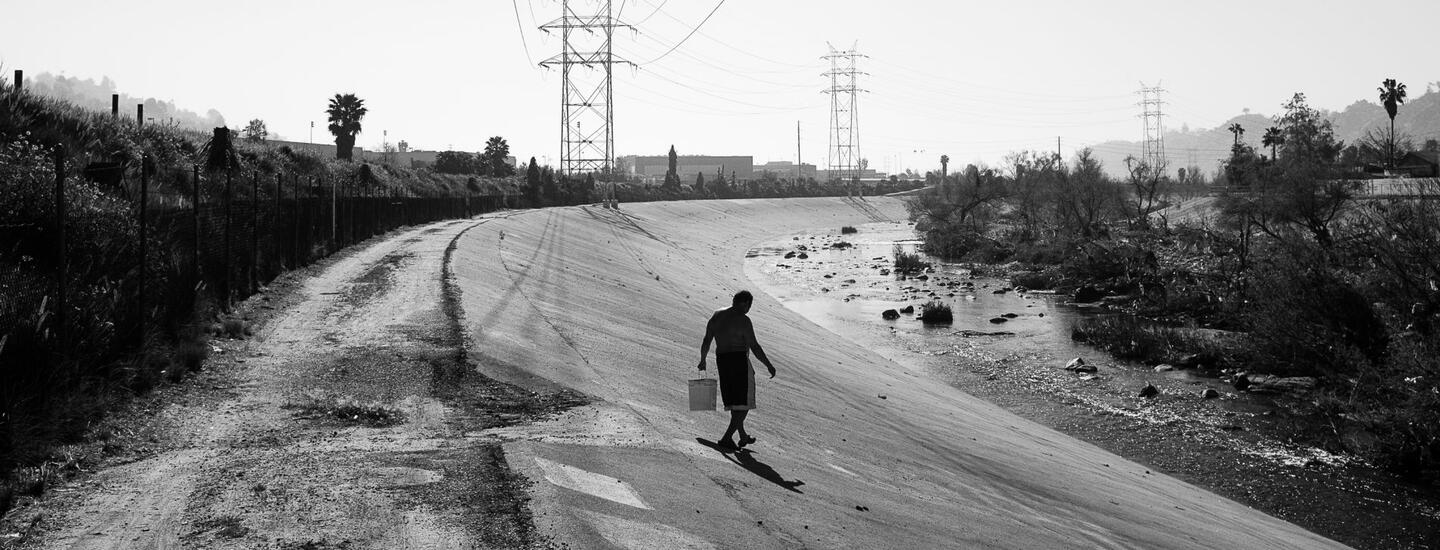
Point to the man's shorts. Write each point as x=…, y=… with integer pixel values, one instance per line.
x=737, y=380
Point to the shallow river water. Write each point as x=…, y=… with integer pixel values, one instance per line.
x=1234, y=445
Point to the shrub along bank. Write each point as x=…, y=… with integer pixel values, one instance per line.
x=1297, y=278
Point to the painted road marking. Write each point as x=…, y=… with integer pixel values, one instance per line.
x=637, y=535
x=591, y=483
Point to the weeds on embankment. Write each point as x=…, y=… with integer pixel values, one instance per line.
x=1348, y=298
x=88, y=321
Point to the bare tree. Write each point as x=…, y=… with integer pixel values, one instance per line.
x=1147, y=182
x=1084, y=195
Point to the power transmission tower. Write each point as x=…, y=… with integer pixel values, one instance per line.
x=1153, y=149
x=844, y=152
x=587, y=132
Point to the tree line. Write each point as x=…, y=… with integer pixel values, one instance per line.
x=1310, y=276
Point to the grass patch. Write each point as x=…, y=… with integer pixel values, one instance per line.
x=33, y=481
x=848, y=230
x=346, y=409
x=188, y=356
x=1035, y=280
x=906, y=262
x=936, y=312
x=1129, y=337
x=234, y=328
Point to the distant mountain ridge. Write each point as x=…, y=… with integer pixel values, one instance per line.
x=1418, y=118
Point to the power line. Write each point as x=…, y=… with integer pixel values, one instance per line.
x=687, y=37
x=736, y=74
x=528, y=58
x=652, y=14
x=726, y=44
x=706, y=92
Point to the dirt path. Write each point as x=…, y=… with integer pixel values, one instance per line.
x=351, y=421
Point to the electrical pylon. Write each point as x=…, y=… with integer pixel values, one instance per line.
x=844, y=152
x=587, y=131
x=1153, y=148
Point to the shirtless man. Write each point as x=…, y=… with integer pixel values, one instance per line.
x=734, y=338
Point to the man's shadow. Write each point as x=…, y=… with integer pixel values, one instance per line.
x=746, y=459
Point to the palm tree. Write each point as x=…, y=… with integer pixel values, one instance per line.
x=1238, y=130
x=944, y=169
x=1392, y=94
x=345, y=113
x=1272, y=139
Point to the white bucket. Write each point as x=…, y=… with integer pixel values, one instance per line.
x=702, y=394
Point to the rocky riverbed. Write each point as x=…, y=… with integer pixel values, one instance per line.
x=1011, y=348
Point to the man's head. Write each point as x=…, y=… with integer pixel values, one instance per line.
x=742, y=300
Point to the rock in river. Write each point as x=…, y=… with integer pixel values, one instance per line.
x=1078, y=365
x=1149, y=391
x=890, y=314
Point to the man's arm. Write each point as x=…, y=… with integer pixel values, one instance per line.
x=755, y=347
x=705, y=345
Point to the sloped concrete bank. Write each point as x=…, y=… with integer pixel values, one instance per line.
x=855, y=451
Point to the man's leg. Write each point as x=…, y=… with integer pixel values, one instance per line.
x=737, y=422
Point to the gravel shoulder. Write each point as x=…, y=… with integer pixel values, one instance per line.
x=351, y=419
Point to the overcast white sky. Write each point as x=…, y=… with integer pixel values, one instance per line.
x=971, y=79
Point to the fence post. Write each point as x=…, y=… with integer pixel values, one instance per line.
x=295, y=224
x=144, y=243
x=115, y=106
x=139, y=117
x=254, y=229
x=194, y=227
x=275, y=217
x=229, y=198
x=61, y=270
x=350, y=210
x=19, y=81
x=334, y=244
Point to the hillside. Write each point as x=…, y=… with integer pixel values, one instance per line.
x=1418, y=118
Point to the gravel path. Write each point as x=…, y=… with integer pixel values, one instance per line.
x=350, y=419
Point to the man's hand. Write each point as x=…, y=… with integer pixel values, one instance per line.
x=772, y=370
x=702, y=364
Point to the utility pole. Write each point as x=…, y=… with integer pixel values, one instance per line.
x=798, y=171
x=844, y=147
x=1153, y=148
x=584, y=99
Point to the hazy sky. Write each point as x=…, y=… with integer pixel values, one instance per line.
x=973, y=80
